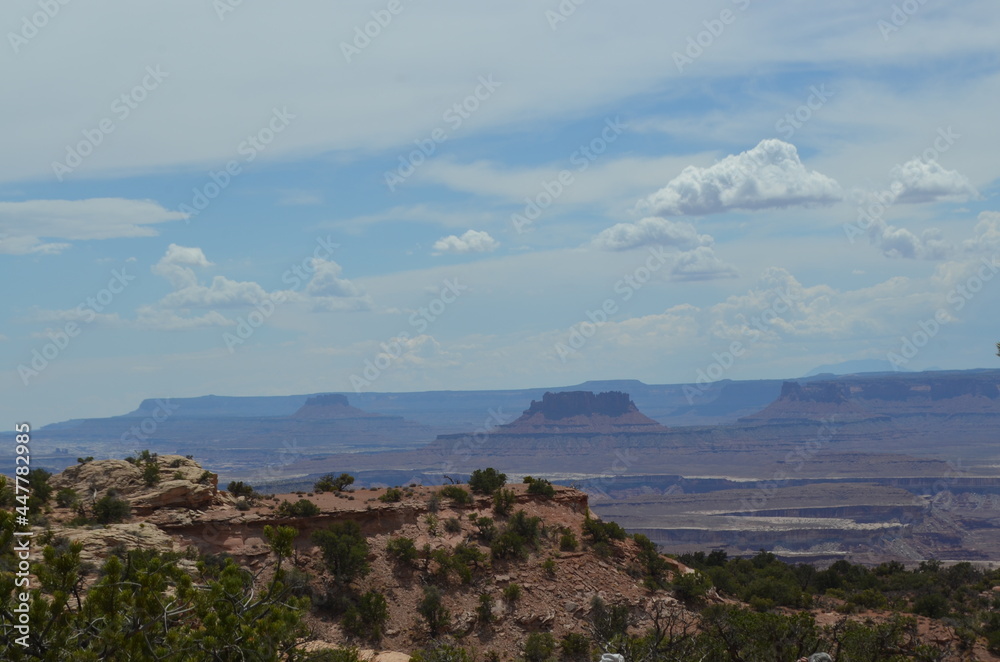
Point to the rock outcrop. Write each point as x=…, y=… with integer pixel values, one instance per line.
x=182, y=483
x=330, y=406
x=812, y=401
x=582, y=411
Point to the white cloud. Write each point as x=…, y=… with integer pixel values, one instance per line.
x=326, y=281
x=897, y=242
x=176, y=263
x=222, y=293
x=768, y=176
x=651, y=232
x=701, y=264
x=473, y=241
x=26, y=226
x=987, y=239
x=150, y=317
x=919, y=181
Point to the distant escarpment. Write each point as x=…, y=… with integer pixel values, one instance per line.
x=582, y=412
x=812, y=402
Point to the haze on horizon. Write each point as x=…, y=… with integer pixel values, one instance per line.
x=247, y=199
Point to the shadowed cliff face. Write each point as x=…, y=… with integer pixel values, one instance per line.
x=810, y=402
x=557, y=406
x=828, y=392
x=582, y=411
x=329, y=406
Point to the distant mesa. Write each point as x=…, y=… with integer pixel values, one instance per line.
x=812, y=401
x=582, y=411
x=330, y=406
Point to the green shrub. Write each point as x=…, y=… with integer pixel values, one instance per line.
x=458, y=494
x=391, y=495
x=431, y=608
x=403, y=550
x=567, y=542
x=484, y=612
x=574, y=647
x=486, y=481
x=932, y=605
x=503, y=502
x=240, y=489
x=345, y=551
x=329, y=483
x=512, y=592
x=599, y=531
x=541, y=487
x=691, y=586
x=38, y=482
x=452, y=525
x=151, y=474
x=539, y=647
x=301, y=508
x=110, y=509
x=67, y=498
x=367, y=619
x=487, y=529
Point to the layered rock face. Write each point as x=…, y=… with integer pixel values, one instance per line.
x=582, y=411
x=812, y=402
x=183, y=483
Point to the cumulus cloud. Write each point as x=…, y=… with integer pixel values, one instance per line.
x=987, y=238
x=701, y=264
x=919, y=181
x=473, y=241
x=651, y=231
x=897, y=242
x=176, y=263
x=29, y=226
x=326, y=281
x=768, y=176
x=326, y=291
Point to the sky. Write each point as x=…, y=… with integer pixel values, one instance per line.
x=235, y=198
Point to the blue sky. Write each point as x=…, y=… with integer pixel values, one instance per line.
x=489, y=196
